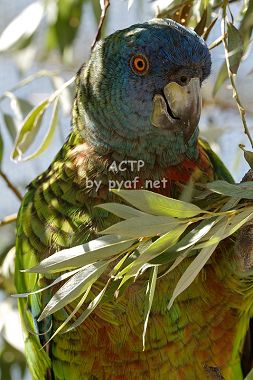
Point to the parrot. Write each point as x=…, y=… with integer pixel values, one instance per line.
x=138, y=99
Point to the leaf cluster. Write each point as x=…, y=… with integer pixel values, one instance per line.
x=155, y=235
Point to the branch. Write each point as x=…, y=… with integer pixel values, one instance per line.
x=105, y=6
x=231, y=77
x=8, y=219
x=11, y=185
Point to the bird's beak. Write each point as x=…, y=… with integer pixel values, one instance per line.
x=178, y=107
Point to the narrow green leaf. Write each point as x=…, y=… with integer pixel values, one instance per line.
x=191, y=272
x=149, y=296
x=137, y=227
x=188, y=241
x=78, y=306
x=55, y=282
x=238, y=221
x=81, y=255
x=209, y=28
x=91, y=307
x=29, y=130
x=200, y=27
x=141, y=263
x=49, y=135
x=73, y=288
x=226, y=227
x=215, y=235
x=158, y=204
x=235, y=47
x=230, y=204
x=31, y=125
x=122, y=211
x=242, y=190
x=177, y=261
x=155, y=249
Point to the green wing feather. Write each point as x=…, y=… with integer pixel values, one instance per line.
x=38, y=360
x=54, y=214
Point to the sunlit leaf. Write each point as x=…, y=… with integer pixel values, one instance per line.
x=191, y=272
x=187, y=242
x=137, y=227
x=238, y=221
x=73, y=288
x=157, y=204
x=81, y=255
x=228, y=226
x=31, y=125
x=239, y=190
x=177, y=261
x=49, y=135
x=29, y=130
x=76, y=309
x=215, y=235
x=90, y=308
x=22, y=27
x=230, y=204
x=159, y=246
x=122, y=211
x=149, y=296
x=55, y=282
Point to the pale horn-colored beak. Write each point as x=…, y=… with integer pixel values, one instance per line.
x=178, y=107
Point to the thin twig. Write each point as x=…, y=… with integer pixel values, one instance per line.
x=101, y=21
x=11, y=185
x=217, y=42
x=8, y=219
x=232, y=76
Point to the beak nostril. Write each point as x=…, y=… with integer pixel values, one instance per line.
x=183, y=79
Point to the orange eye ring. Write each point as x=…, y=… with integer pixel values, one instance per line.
x=139, y=64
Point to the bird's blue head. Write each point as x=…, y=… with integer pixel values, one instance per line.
x=139, y=93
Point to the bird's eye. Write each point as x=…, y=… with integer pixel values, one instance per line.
x=139, y=64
